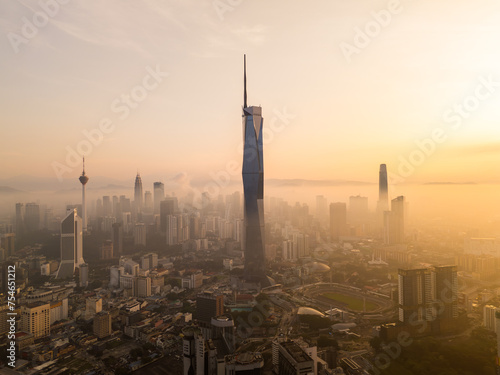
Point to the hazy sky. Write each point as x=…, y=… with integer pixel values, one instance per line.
x=345, y=112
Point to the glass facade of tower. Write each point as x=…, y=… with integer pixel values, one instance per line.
x=71, y=245
x=382, y=185
x=253, y=188
x=138, y=192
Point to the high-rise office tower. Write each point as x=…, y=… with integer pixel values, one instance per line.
x=35, y=319
x=445, y=291
x=253, y=188
x=180, y=229
x=171, y=229
x=143, y=286
x=158, y=195
x=338, y=220
x=428, y=294
x=83, y=180
x=117, y=210
x=415, y=294
x=138, y=193
x=117, y=239
x=71, y=245
x=194, y=227
x=7, y=242
x=148, y=202
x=102, y=324
x=19, y=219
x=194, y=351
x=167, y=207
x=84, y=275
x=383, y=191
x=394, y=222
x=107, y=208
x=140, y=234
x=489, y=319
x=32, y=217
x=208, y=306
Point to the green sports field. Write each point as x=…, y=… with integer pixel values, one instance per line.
x=352, y=302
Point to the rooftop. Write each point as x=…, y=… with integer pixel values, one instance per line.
x=296, y=351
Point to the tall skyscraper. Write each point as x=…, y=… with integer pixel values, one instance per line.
x=102, y=324
x=167, y=207
x=148, y=202
x=71, y=245
x=117, y=239
x=394, y=222
x=35, y=319
x=7, y=242
x=193, y=350
x=84, y=275
x=140, y=234
x=414, y=294
x=489, y=319
x=445, y=291
x=158, y=195
x=208, y=306
x=19, y=219
x=383, y=191
x=171, y=229
x=428, y=294
x=32, y=217
x=253, y=188
x=107, y=208
x=138, y=193
x=338, y=220
x=83, y=180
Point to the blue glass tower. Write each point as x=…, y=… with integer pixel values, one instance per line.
x=253, y=188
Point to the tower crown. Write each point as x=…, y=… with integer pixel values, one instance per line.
x=83, y=178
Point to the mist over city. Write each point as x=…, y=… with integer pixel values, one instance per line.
x=235, y=187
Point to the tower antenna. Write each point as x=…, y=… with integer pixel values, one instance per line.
x=245, y=81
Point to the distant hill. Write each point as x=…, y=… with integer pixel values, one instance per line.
x=9, y=190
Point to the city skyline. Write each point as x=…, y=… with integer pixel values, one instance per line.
x=139, y=233
x=324, y=78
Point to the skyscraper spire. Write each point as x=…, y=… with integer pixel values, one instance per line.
x=253, y=189
x=245, y=81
